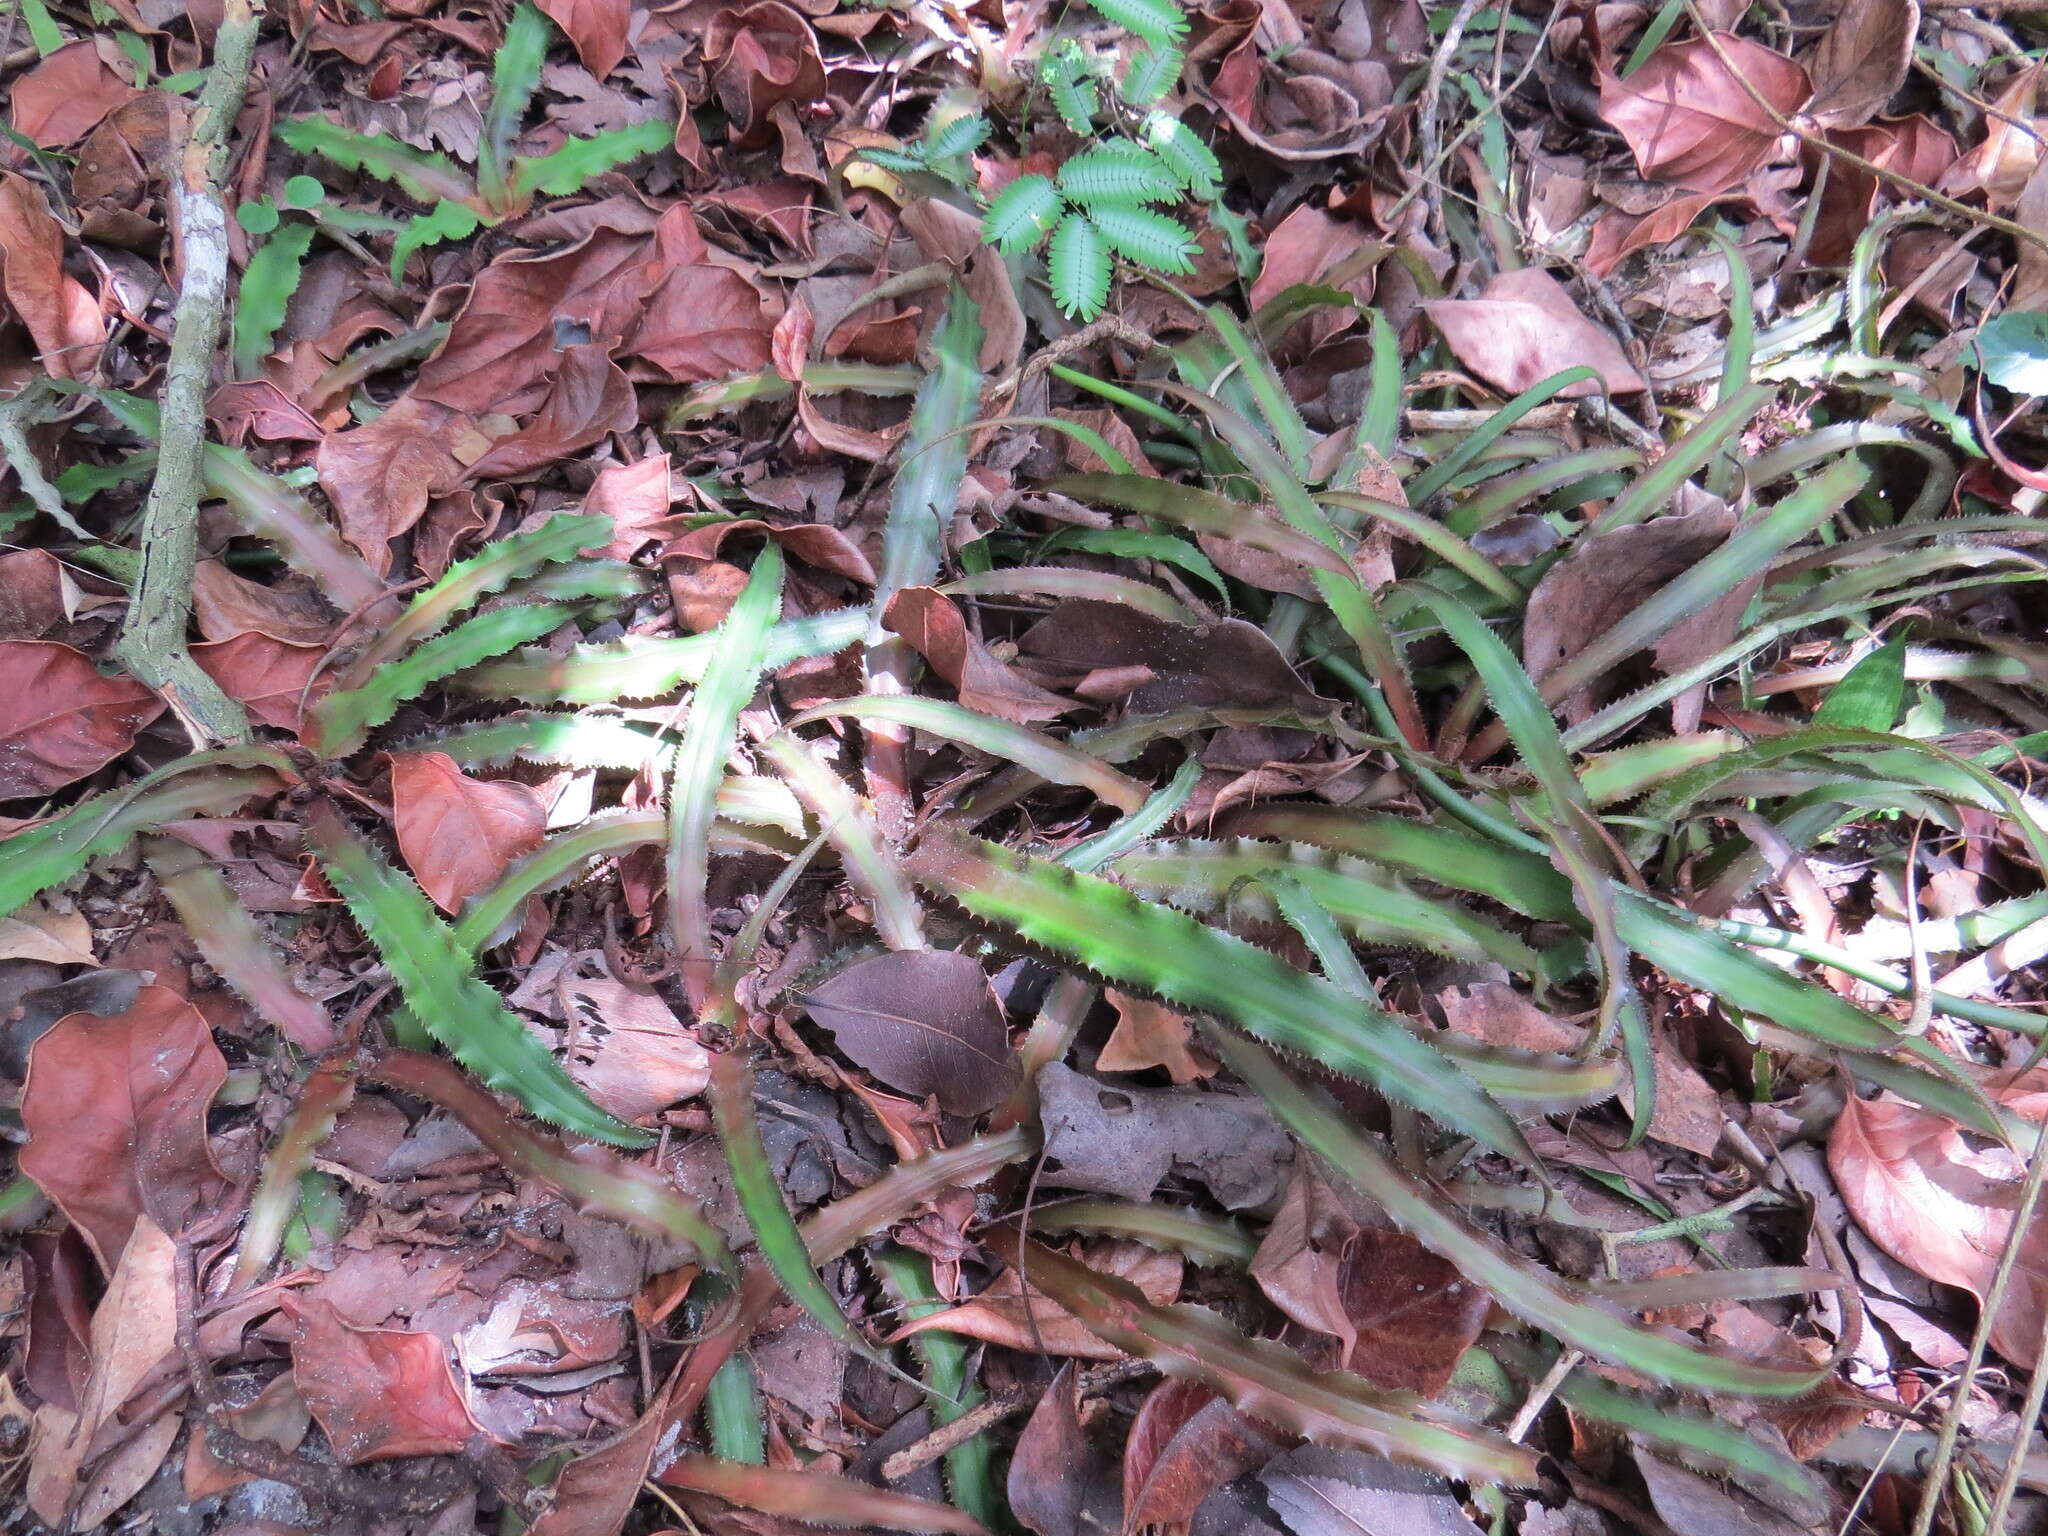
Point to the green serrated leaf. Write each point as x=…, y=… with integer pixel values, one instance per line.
x=434, y=974
x=515, y=74
x=1150, y=239
x=1079, y=267
x=1119, y=173
x=427, y=176
x=1868, y=699
x=2012, y=351
x=448, y=221
x=268, y=283
x=570, y=168
x=1021, y=215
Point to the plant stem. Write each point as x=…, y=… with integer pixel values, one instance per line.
x=152, y=644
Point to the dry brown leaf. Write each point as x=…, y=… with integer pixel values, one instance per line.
x=116, y=1114
x=64, y=97
x=2000, y=166
x=1861, y=61
x=273, y=679
x=924, y=1021
x=458, y=834
x=64, y=320
x=1016, y=1318
x=1148, y=1035
x=1523, y=328
x=632, y=1054
x=596, y=27
x=1690, y=119
x=1060, y=1483
x=378, y=1393
x=381, y=476
x=1185, y=1443
x=633, y=496
x=935, y=629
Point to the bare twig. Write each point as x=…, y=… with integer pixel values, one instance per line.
x=993, y=1411
x=1432, y=98
x=1540, y=1394
x=2030, y=1415
x=152, y=643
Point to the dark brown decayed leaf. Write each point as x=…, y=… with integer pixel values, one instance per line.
x=1227, y=662
x=1861, y=60
x=1414, y=1313
x=1523, y=328
x=1185, y=1443
x=116, y=1114
x=1060, y=1484
x=924, y=1021
x=597, y=1491
x=378, y=1393
x=1318, y=1491
x=1689, y=119
x=457, y=833
x=61, y=717
x=935, y=629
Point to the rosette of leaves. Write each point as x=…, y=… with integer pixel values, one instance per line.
x=504, y=184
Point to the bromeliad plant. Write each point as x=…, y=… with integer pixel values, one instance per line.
x=504, y=183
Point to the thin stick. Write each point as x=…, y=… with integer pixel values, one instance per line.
x=2030, y=1415
x=152, y=645
x=2008, y=1261
x=1432, y=98
x=993, y=1411
x=1540, y=1394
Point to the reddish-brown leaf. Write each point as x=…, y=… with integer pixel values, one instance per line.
x=1150, y=1034
x=225, y=605
x=1414, y=1314
x=924, y=1021
x=61, y=717
x=597, y=1491
x=457, y=833
x=500, y=352
x=1308, y=246
x=1185, y=1443
x=1523, y=328
x=116, y=1115
x=272, y=678
x=1691, y=120
x=818, y=544
x=928, y=619
x=378, y=1393
x=63, y=98
x=633, y=496
x=1861, y=60
x=816, y=1497
x=381, y=476
x=1059, y=1483
x=704, y=322
x=589, y=398
x=2011, y=148
x=596, y=27
x=1942, y=1209
x=63, y=318
x=761, y=54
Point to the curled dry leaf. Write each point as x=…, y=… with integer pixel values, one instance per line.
x=63, y=319
x=632, y=496
x=381, y=476
x=116, y=1114
x=459, y=834
x=1942, y=1209
x=935, y=629
x=1017, y=1315
x=1690, y=118
x=1861, y=61
x=1185, y=1443
x=378, y=1393
x=924, y=1021
x=759, y=55
x=1523, y=328
x=1148, y=1035
x=1060, y=1484
x=589, y=398
x=2000, y=166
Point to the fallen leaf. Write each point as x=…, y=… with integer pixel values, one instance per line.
x=276, y=681
x=1059, y=1483
x=115, y=1110
x=1413, y=1314
x=1523, y=328
x=1861, y=61
x=597, y=1491
x=378, y=1393
x=1321, y=1491
x=935, y=629
x=64, y=97
x=632, y=1053
x=459, y=834
x=2000, y=166
x=632, y=496
x=759, y=55
x=226, y=605
x=35, y=932
x=1604, y=579
x=1496, y=1013
x=952, y=234
x=1228, y=662
x=1941, y=1209
x=596, y=27
x=815, y=1497
x=816, y=544
x=702, y=319
x=381, y=476
x=1692, y=1505
x=63, y=319
x=1691, y=120
x=1016, y=1315
x=1125, y=1141
x=924, y=1021
x=1148, y=1035
x=1308, y=246
x=589, y=398
x=1184, y=1444
x=133, y=1329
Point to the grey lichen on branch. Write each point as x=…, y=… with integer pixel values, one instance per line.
x=152, y=644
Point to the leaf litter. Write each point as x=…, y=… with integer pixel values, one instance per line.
x=1530, y=609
